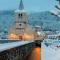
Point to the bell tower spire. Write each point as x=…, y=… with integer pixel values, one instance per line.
x=21, y=21
x=21, y=6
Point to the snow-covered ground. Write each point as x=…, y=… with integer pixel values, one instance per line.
x=50, y=50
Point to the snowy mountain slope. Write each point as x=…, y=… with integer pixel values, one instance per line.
x=46, y=20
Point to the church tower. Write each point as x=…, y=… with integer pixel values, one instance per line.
x=20, y=30
x=21, y=19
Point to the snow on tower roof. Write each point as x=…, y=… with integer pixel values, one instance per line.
x=21, y=7
x=19, y=11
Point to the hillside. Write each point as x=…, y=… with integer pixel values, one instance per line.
x=44, y=19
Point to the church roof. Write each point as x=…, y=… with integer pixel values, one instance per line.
x=21, y=6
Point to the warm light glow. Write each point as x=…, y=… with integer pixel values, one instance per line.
x=35, y=54
x=12, y=36
x=28, y=36
x=21, y=37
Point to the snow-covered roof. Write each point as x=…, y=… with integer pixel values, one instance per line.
x=55, y=35
x=19, y=11
x=52, y=42
x=7, y=46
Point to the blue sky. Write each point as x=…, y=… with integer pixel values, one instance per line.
x=30, y=5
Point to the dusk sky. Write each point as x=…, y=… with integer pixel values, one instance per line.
x=30, y=5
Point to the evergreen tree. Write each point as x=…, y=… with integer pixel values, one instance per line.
x=57, y=9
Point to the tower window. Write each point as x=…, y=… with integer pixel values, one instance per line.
x=20, y=15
